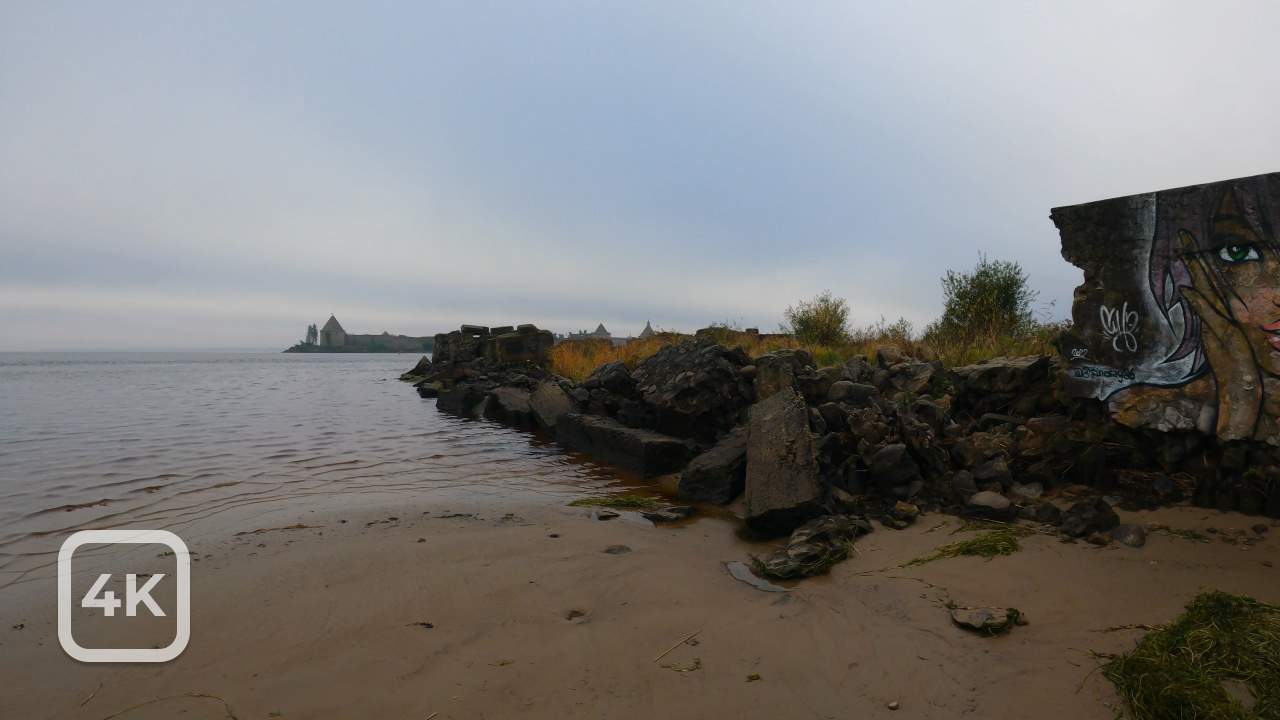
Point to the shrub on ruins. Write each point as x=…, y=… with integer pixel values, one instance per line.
x=822, y=321
x=991, y=301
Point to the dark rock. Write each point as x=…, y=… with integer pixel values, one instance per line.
x=888, y=355
x=428, y=391
x=1097, y=538
x=777, y=371
x=1131, y=535
x=816, y=423
x=913, y=377
x=782, y=489
x=1049, y=514
x=613, y=377
x=548, y=402
x=892, y=466
x=694, y=389
x=813, y=546
x=511, y=405
x=988, y=621
x=670, y=514
x=993, y=470
x=1084, y=518
x=833, y=416
x=604, y=515
x=461, y=398
x=991, y=385
x=643, y=452
x=1259, y=528
x=963, y=485
x=1030, y=491
x=845, y=502
x=718, y=475
x=814, y=386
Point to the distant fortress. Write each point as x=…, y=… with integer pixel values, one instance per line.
x=333, y=339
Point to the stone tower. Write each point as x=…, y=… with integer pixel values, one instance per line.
x=332, y=333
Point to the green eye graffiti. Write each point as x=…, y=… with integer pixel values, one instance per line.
x=1238, y=253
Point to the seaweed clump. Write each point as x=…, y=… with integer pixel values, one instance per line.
x=1178, y=671
x=622, y=501
x=1003, y=541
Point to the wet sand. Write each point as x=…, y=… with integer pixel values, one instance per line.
x=321, y=622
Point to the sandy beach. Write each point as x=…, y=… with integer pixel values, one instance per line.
x=529, y=617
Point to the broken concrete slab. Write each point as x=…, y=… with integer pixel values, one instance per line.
x=782, y=490
x=644, y=452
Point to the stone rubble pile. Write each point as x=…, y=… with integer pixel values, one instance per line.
x=872, y=439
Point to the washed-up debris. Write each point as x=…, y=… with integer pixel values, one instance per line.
x=814, y=547
x=1002, y=541
x=299, y=526
x=1161, y=529
x=670, y=514
x=617, y=550
x=753, y=678
x=603, y=514
x=740, y=571
x=572, y=614
x=622, y=501
x=422, y=624
x=989, y=621
x=1178, y=671
x=673, y=647
x=501, y=663
x=690, y=667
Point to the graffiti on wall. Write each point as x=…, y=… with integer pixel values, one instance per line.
x=1177, y=323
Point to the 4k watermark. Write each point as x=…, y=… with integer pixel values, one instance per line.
x=99, y=597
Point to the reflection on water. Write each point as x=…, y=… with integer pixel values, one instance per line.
x=172, y=440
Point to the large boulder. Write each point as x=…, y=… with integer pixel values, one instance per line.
x=548, y=402
x=994, y=385
x=643, y=452
x=613, y=377
x=718, y=475
x=777, y=371
x=782, y=489
x=462, y=398
x=510, y=405
x=892, y=466
x=694, y=389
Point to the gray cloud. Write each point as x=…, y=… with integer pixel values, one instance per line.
x=224, y=175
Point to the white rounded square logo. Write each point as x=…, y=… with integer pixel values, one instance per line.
x=134, y=597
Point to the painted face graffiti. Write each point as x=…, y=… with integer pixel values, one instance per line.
x=1234, y=290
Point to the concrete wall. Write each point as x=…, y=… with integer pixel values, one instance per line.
x=1177, y=324
x=390, y=342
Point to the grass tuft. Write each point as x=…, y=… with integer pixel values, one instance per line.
x=1003, y=541
x=622, y=501
x=1178, y=671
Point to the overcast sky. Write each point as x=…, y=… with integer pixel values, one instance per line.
x=184, y=175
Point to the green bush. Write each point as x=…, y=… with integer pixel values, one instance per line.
x=991, y=301
x=822, y=321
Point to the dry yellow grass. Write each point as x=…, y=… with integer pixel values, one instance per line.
x=576, y=359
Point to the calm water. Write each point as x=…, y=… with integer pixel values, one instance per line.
x=199, y=443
